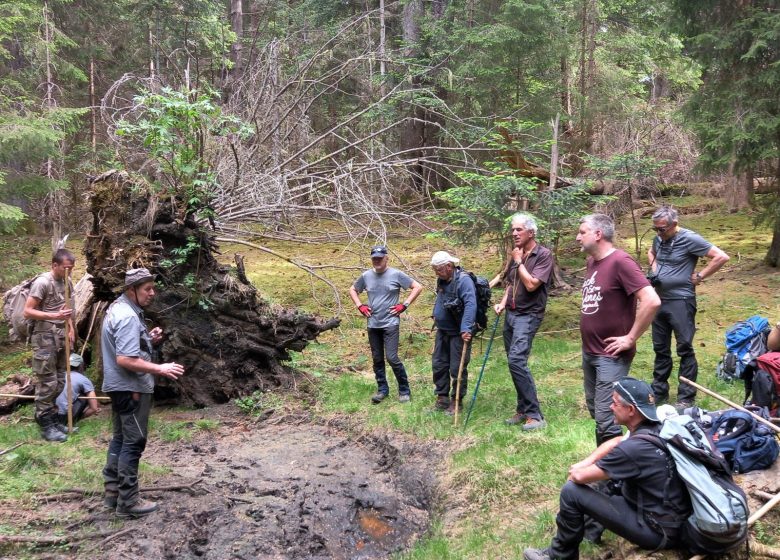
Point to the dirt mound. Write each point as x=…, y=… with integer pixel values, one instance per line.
x=289, y=490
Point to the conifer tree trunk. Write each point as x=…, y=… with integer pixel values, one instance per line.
x=237, y=25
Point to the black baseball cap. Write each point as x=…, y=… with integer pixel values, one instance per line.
x=639, y=394
x=378, y=251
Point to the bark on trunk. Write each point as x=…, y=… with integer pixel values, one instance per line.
x=773, y=255
x=229, y=340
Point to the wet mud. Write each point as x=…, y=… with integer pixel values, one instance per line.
x=292, y=490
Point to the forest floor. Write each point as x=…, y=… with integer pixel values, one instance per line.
x=319, y=472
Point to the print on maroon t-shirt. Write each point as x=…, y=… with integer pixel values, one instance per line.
x=609, y=300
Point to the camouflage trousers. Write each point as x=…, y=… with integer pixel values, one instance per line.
x=49, y=367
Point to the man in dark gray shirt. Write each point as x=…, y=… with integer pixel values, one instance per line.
x=673, y=258
x=383, y=312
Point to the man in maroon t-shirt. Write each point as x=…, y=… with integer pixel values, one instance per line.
x=618, y=304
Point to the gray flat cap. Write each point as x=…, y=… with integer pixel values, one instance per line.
x=136, y=276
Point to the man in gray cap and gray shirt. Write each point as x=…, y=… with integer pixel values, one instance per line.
x=126, y=347
x=383, y=312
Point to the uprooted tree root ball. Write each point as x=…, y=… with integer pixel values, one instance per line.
x=229, y=340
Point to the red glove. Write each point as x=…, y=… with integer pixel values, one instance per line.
x=365, y=310
x=397, y=309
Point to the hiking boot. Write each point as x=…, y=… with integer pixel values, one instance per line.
x=441, y=404
x=451, y=409
x=109, y=499
x=680, y=406
x=536, y=554
x=534, y=424
x=378, y=397
x=139, y=509
x=49, y=431
x=404, y=398
x=518, y=418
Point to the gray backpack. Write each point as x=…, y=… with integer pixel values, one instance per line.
x=13, y=310
x=718, y=523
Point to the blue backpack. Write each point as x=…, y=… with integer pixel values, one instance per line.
x=746, y=444
x=745, y=341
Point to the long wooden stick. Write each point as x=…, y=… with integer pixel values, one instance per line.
x=730, y=403
x=460, y=375
x=95, y=308
x=68, y=385
x=764, y=509
x=32, y=397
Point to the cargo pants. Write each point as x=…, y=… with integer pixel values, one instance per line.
x=49, y=366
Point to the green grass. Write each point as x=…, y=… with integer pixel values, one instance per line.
x=498, y=485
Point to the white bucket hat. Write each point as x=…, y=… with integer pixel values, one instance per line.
x=443, y=257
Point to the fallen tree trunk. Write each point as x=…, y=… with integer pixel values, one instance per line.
x=229, y=340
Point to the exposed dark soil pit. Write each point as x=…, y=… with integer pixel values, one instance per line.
x=290, y=490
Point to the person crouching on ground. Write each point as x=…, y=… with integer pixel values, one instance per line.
x=384, y=285
x=81, y=386
x=454, y=314
x=653, y=503
x=126, y=347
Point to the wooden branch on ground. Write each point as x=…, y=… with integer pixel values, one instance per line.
x=758, y=549
x=760, y=494
x=12, y=448
x=74, y=493
x=50, y=540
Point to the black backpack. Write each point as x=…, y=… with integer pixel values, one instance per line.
x=483, y=292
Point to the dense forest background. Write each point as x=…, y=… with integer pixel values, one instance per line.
x=341, y=119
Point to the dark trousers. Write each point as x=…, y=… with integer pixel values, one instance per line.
x=519, y=332
x=130, y=419
x=676, y=316
x=445, y=363
x=578, y=502
x=384, y=345
x=79, y=406
x=599, y=376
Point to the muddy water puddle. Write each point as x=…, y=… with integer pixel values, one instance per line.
x=284, y=491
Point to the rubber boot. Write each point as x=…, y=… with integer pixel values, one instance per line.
x=49, y=431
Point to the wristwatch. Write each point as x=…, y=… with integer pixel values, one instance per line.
x=699, y=276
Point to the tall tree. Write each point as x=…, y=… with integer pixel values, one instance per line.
x=736, y=112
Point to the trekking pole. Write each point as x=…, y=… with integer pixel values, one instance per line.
x=68, y=385
x=481, y=371
x=460, y=375
x=731, y=404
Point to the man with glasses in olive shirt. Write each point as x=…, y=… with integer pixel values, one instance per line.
x=673, y=258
